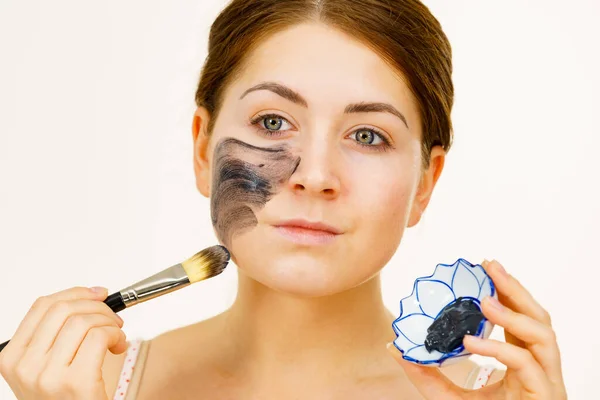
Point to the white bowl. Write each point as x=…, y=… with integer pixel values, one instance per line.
x=429, y=297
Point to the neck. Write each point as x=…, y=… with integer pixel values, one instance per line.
x=273, y=330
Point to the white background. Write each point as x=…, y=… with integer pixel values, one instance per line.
x=97, y=184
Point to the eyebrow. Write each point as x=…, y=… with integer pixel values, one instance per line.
x=296, y=98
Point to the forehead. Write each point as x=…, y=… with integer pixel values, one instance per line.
x=328, y=68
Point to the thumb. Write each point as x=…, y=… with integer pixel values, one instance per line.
x=429, y=381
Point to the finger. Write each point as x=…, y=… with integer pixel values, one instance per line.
x=512, y=293
x=90, y=355
x=539, y=338
x=28, y=325
x=17, y=346
x=59, y=313
x=429, y=381
x=529, y=373
x=72, y=335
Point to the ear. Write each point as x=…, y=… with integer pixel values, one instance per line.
x=429, y=178
x=201, y=140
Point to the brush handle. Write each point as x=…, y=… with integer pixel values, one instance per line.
x=114, y=301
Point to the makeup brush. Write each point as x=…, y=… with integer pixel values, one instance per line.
x=203, y=265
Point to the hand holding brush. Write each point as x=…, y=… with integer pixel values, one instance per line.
x=59, y=347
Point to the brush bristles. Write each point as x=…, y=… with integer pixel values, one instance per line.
x=206, y=263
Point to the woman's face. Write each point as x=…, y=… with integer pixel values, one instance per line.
x=306, y=145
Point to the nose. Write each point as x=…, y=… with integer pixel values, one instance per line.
x=317, y=173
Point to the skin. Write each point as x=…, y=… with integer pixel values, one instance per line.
x=356, y=189
x=530, y=350
x=303, y=313
x=246, y=177
x=293, y=304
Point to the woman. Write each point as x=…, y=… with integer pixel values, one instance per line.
x=336, y=115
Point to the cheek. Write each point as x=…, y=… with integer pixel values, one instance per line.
x=245, y=178
x=385, y=196
x=384, y=200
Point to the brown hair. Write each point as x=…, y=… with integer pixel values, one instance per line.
x=403, y=32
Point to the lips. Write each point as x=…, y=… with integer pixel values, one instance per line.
x=302, y=225
x=301, y=232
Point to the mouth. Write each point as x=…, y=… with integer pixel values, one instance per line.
x=306, y=232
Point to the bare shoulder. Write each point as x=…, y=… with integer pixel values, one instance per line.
x=395, y=382
x=166, y=359
x=181, y=359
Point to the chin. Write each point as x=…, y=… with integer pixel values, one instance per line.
x=302, y=271
x=299, y=275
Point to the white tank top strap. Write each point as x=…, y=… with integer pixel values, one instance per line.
x=483, y=375
x=127, y=370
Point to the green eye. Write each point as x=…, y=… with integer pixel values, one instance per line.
x=365, y=136
x=272, y=123
x=269, y=124
x=368, y=137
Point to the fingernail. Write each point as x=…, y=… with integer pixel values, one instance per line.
x=98, y=289
x=472, y=338
x=120, y=319
x=495, y=303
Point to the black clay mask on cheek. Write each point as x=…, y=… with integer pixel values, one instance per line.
x=245, y=177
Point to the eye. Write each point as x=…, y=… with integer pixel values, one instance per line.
x=367, y=136
x=371, y=138
x=269, y=124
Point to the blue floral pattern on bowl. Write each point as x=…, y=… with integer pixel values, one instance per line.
x=429, y=296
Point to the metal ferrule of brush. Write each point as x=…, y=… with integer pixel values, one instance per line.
x=166, y=281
